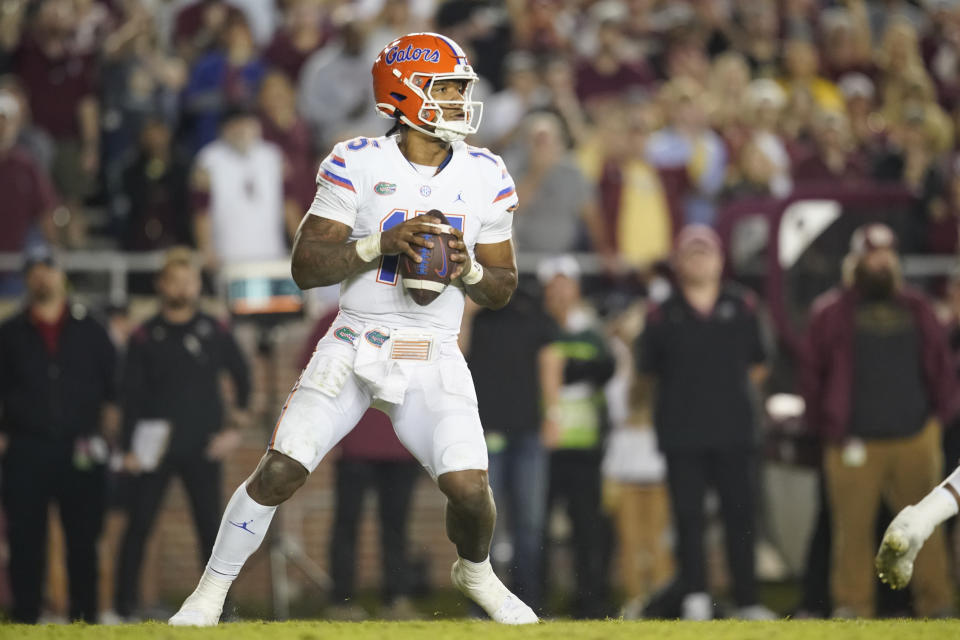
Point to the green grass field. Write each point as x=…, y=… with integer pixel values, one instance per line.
x=442, y=630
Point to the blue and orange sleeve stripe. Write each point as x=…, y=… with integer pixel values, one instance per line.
x=333, y=178
x=505, y=193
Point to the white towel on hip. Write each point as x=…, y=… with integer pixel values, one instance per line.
x=384, y=376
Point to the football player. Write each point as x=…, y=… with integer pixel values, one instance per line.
x=384, y=349
x=910, y=529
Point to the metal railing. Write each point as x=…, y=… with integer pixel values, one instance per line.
x=118, y=265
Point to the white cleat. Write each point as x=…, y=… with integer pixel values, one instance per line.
x=197, y=612
x=901, y=543
x=493, y=597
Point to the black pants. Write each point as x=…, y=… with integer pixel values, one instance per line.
x=202, y=482
x=36, y=473
x=575, y=481
x=393, y=482
x=733, y=474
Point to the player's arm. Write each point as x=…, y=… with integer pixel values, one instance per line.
x=492, y=279
x=322, y=256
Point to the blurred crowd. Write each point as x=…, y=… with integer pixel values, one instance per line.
x=632, y=128
x=621, y=121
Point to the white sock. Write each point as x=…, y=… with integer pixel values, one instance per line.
x=952, y=486
x=937, y=506
x=476, y=572
x=245, y=523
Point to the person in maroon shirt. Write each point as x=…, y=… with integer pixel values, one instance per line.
x=608, y=73
x=61, y=86
x=878, y=381
x=834, y=157
x=371, y=457
x=28, y=196
x=303, y=32
x=198, y=27
x=284, y=127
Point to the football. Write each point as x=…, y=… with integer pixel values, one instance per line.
x=426, y=280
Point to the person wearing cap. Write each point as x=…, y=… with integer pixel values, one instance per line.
x=172, y=375
x=877, y=380
x=703, y=348
x=574, y=430
x=29, y=198
x=241, y=213
x=57, y=386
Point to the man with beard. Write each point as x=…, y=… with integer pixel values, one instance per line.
x=171, y=378
x=57, y=380
x=877, y=380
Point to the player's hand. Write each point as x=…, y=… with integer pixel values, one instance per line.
x=223, y=444
x=460, y=255
x=403, y=238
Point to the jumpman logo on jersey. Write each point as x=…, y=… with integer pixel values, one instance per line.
x=242, y=525
x=460, y=198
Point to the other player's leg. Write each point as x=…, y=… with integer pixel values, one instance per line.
x=910, y=529
x=324, y=406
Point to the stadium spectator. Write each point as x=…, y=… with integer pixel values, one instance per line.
x=834, y=157
x=877, y=379
x=198, y=27
x=866, y=125
x=171, y=376
x=610, y=71
x=335, y=65
x=48, y=64
x=801, y=64
x=226, y=77
x=574, y=430
x=153, y=205
x=941, y=51
x=757, y=37
x=846, y=41
x=515, y=339
x=240, y=210
x=729, y=83
x=139, y=83
x=56, y=387
x=559, y=202
x=371, y=459
x=29, y=196
x=283, y=127
x=634, y=492
x=943, y=232
x=32, y=138
x=910, y=160
x=704, y=341
x=690, y=154
x=505, y=110
x=304, y=30
x=633, y=201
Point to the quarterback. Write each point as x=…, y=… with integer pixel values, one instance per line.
x=910, y=529
x=384, y=349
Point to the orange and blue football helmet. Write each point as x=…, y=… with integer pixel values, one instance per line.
x=403, y=77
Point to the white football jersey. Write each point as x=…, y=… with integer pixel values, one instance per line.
x=368, y=185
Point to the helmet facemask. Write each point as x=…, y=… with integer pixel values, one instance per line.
x=431, y=109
